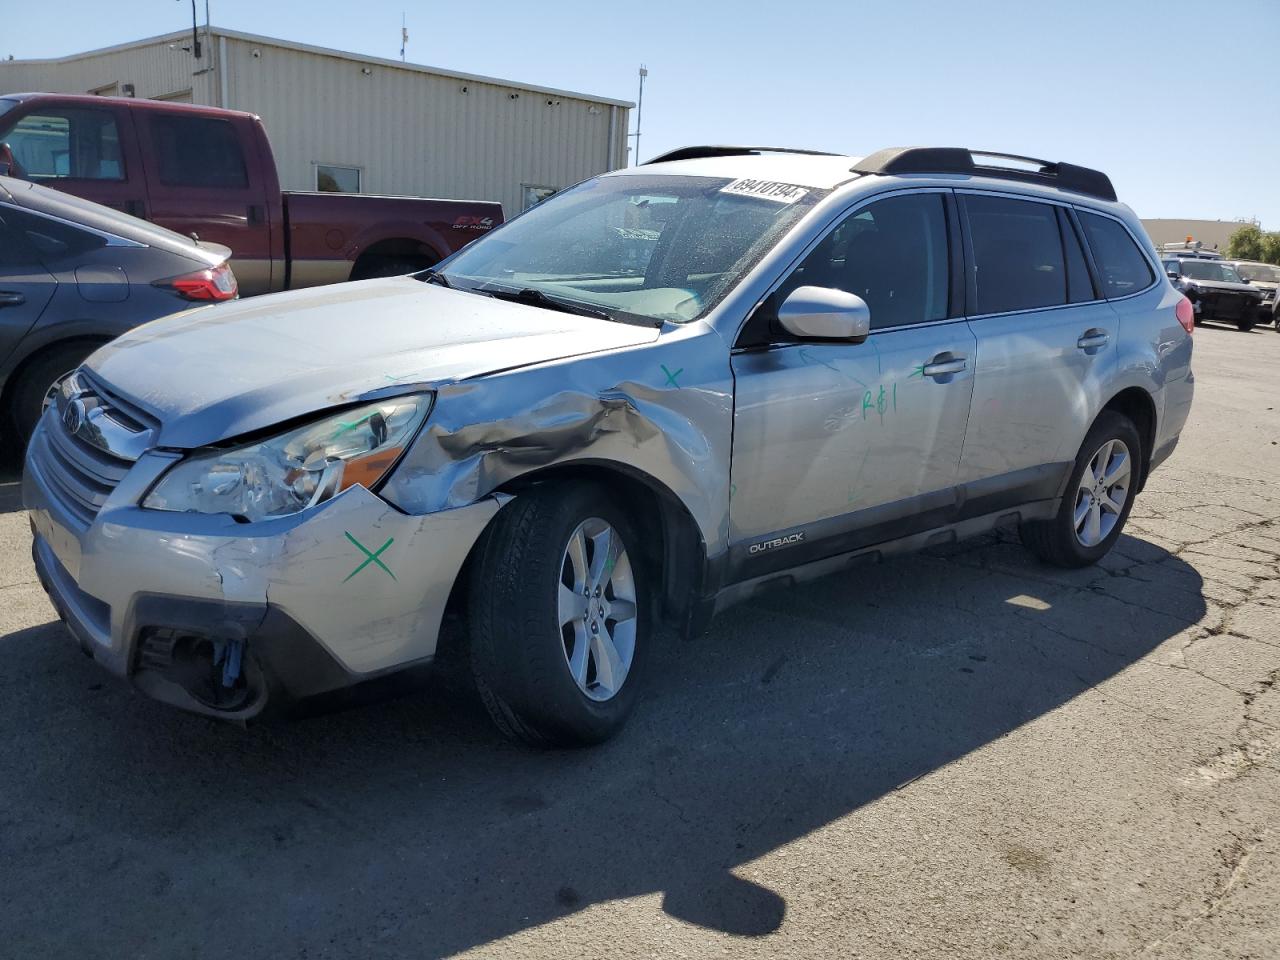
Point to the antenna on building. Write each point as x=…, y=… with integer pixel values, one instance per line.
x=404, y=36
x=644, y=72
x=195, y=28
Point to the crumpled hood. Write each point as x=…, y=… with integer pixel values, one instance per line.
x=219, y=372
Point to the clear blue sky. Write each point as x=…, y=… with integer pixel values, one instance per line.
x=1178, y=101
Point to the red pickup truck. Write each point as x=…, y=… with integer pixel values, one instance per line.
x=210, y=172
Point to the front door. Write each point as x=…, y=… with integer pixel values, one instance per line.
x=89, y=151
x=839, y=445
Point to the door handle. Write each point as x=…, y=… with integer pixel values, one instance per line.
x=1092, y=339
x=9, y=298
x=943, y=365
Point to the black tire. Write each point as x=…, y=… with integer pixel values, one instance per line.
x=1054, y=541
x=26, y=402
x=1244, y=326
x=518, y=654
x=390, y=267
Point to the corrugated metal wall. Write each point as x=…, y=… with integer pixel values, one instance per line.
x=414, y=132
x=411, y=131
x=155, y=70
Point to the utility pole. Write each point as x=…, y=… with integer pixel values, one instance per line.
x=644, y=72
x=404, y=36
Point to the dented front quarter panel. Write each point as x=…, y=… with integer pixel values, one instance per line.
x=662, y=409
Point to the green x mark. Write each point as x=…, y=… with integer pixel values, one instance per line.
x=671, y=377
x=371, y=557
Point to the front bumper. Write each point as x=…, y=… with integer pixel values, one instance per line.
x=338, y=594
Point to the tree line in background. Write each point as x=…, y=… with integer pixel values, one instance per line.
x=1250, y=243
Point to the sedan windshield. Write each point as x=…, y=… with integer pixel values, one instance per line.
x=648, y=247
x=1260, y=271
x=1209, y=270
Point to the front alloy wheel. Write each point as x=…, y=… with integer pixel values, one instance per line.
x=597, y=608
x=559, y=625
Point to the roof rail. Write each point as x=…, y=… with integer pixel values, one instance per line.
x=1067, y=176
x=697, y=153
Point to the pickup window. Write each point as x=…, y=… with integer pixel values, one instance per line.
x=78, y=143
x=198, y=152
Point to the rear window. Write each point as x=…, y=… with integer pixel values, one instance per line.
x=1017, y=252
x=1122, y=269
x=50, y=240
x=198, y=152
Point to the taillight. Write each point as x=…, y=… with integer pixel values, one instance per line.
x=1186, y=315
x=215, y=283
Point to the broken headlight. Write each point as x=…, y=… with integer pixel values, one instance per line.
x=295, y=470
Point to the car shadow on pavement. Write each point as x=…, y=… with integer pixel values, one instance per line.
x=408, y=827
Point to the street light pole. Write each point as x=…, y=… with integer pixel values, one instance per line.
x=644, y=72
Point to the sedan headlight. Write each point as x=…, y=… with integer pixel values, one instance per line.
x=298, y=469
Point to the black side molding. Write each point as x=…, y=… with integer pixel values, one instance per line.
x=1065, y=176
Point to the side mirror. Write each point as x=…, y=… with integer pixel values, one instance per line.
x=1173, y=274
x=823, y=313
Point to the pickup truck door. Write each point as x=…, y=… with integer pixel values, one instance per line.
x=204, y=177
x=88, y=151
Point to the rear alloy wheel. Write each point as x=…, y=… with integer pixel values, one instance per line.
x=559, y=627
x=1099, y=497
x=1102, y=493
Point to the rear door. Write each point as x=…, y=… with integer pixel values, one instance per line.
x=89, y=151
x=25, y=285
x=1046, y=348
x=838, y=445
x=201, y=182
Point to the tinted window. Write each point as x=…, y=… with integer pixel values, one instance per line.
x=891, y=253
x=198, y=152
x=1079, y=284
x=1017, y=252
x=334, y=179
x=50, y=240
x=15, y=252
x=1122, y=269
x=66, y=143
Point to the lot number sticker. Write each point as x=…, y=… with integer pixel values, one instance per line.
x=766, y=190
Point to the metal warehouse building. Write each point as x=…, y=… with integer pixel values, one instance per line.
x=339, y=121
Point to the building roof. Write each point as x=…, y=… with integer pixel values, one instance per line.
x=330, y=52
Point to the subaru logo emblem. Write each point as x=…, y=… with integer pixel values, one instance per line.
x=73, y=416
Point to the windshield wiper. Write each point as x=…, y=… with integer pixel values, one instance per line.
x=536, y=298
x=434, y=276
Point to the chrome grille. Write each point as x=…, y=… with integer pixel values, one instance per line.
x=87, y=443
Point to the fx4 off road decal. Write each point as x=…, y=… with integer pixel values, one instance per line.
x=787, y=541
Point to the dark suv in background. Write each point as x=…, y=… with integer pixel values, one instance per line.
x=1217, y=291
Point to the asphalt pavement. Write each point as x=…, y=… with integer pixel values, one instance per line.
x=963, y=754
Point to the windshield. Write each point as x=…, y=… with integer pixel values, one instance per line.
x=1209, y=270
x=649, y=246
x=1259, y=271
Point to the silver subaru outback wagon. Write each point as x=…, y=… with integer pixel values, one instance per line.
x=643, y=400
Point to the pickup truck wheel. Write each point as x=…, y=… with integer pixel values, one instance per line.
x=1244, y=326
x=389, y=267
x=1098, y=498
x=559, y=629
x=26, y=402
